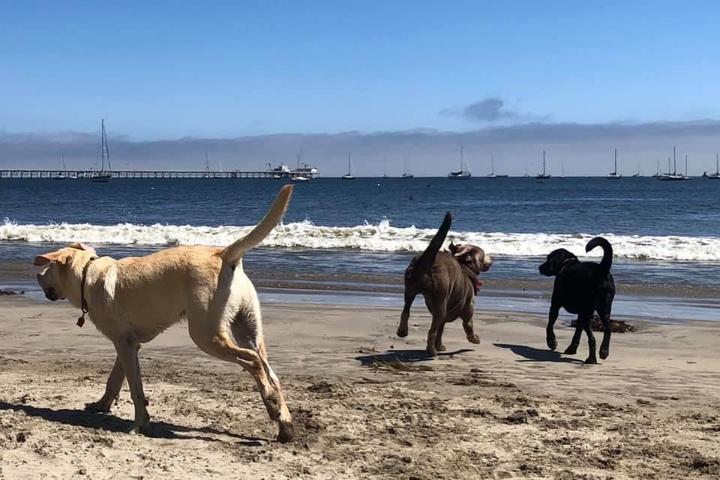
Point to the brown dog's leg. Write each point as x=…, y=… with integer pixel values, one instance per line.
x=402, y=329
x=438, y=339
x=469, y=328
x=127, y=350
x=112, y=389
x=439, y=312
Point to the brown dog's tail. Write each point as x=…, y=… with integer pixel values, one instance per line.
x=427, y=258
x=607, y=259
x=234, y=252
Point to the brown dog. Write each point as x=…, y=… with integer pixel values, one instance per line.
x=449, y=284
x=132, y=300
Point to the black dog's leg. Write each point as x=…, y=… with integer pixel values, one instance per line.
x=572, y=348
x=439, y=312
x=552, y=318
x=604, y=307
x=587, y=326
x=402, y=329
x=468, y=326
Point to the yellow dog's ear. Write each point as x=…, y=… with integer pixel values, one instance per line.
x=82, y=246
x=45, y=258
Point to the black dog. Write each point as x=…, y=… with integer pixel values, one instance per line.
x=448, y=281
x=581, y=288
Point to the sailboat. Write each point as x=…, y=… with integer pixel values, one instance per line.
x=103, y=176
x=674, y=176
x=63, y=174
x=406, y=173
x=543, y=175
x=492, y=170
x=614, y=175
x=463, y=173
x=716, y=175
x=349, y=175
x=206, y=175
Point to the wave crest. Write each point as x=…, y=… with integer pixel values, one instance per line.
x=380, y=237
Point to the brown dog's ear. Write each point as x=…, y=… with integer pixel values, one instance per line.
x=452, y=247
x=460, y=250
x=82, y=246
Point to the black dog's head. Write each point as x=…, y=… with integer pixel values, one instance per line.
x=555, y=261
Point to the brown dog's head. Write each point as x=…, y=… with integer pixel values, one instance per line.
x=555, y=261
x=473, y=257
x=58, y=278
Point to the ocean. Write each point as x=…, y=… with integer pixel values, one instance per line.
x=353, y=239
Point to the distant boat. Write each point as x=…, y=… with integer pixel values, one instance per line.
x=406, y=173
x=207, y=167
x=64, y=174
x=716, y=175
x=349, y=175
x=463, y=173
x=102, y=176
x=614, y=175
x=299, y=178
x=544, y=175
x=674, y=176
x=492, y=170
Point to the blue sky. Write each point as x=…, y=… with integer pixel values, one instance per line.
x=172, y=69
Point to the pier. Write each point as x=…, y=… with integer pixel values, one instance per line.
x=154, y=174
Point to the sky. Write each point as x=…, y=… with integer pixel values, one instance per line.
x=398, y=83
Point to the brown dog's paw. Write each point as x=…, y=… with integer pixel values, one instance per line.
x=97, y=407
x=474, y=339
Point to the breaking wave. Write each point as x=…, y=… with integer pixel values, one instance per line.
x=380, y=237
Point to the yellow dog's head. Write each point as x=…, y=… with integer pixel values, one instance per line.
x=59, y=276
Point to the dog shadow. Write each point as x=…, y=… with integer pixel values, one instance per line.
x=404, y=356
x=111, y=423
x=532, y=354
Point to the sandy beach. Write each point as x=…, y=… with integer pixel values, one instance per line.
x=366, y=404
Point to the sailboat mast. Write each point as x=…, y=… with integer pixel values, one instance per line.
x=686, y=165
x=543, y=162
x=462, y=158
x=674, y=162
x=615, y=171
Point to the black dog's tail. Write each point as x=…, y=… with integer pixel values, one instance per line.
x=427, y=258
x=606, y=261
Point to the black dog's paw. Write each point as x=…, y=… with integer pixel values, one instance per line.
x=402, y=332
x=604, y=353
x=97, y=407
x=551, y=343
x=571, y=350
x=591, y=361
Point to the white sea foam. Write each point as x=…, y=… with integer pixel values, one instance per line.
x=381, y=237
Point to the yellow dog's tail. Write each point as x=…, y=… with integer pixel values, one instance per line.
x=234, y=252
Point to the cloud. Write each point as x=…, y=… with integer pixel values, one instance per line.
x=583, y=149
x=490, y=109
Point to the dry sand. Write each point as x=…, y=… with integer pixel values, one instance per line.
x=366, y=404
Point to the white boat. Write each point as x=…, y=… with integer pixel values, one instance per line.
x=674, y=176
x=544, y=175
x=716, y=175
x=463, y=173
x=349, y=175
x=614, y=175
x=64, y=174
x=492, y=173
x=102, y=176
x=299, y=179
x=406, y=173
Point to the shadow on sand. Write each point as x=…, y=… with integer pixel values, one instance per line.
x=111, y=423
x=531, y=354
x=404, y=356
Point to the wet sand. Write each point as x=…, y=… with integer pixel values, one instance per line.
x=366, y=403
